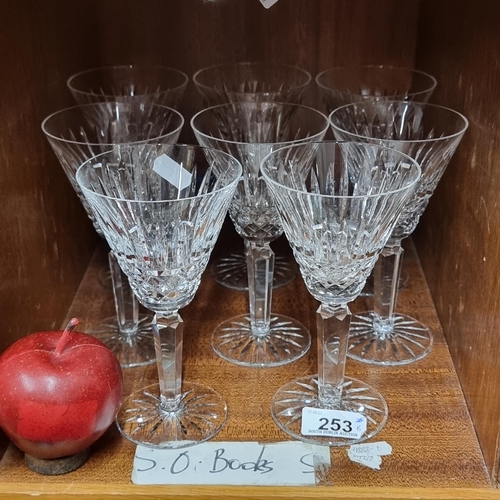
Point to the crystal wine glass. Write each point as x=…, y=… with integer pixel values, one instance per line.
x=161, y=208
x=250, y=82
x=79, y=133
x=338, y=203
x=147, y=84
x=249, y=131
x=350, y=84
x=430, y=134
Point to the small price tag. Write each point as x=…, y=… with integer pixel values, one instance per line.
x=371, y=461
x=321, y=422
x=268, y=3
x=379, y=448
x=369, y=454
x=172, y=172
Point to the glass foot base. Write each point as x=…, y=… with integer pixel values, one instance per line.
x=291, y=398
x=407, y=342
x=231, y=271
x=131, y=350
x=105, y=279
x=200, y=414
x=286, y=341
x=367, y=291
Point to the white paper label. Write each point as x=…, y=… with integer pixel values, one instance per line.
x=369, y=454
x=268, y=3
x=336, y=423
x=231, y=463
x=378, y=448
x=372, y=461
x=172, y=172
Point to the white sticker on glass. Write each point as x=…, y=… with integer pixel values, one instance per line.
x=172, y=172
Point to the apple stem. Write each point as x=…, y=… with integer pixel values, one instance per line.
x=65, y=335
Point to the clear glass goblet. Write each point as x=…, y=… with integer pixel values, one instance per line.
x=430, y=134
x=161, y=208
x=251, y=82
x=249, y=131
x=349, y=84
x=147, y=84
x=79, y=133
x=338, y=203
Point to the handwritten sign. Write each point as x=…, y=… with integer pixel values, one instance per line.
x=369, y=454
x=231, y=463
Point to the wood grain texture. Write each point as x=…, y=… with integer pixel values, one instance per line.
x=459, y=236
x=46, y=238
x=434, y=444
x=367, y=32
x=192, y=34
x=313, y=34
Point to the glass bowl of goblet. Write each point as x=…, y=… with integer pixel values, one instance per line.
x=250, y=82
x=136, y=82
x=79, y=133
x=355, y=84
x=349, y=84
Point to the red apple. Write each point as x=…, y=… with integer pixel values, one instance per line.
x=59, y=392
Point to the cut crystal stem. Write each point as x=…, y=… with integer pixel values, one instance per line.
x=126, y=303
x=260, y=264
x=386, y=280
x=167, y=331
x=333, y=332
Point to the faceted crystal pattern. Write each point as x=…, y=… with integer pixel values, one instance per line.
x=77, y=134
x=231, y=271
x=162, y=237
x=249, y=132
x=135, y=349
x=196, y=419
x=337, y=203
x=128, y=84
x=357, y=397
x=429, y=134
x=251, y=82
x=341, y=86
x=405, y=340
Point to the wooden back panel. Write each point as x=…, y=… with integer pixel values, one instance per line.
x=46, y=239
x=313, y=34
x=459, y=236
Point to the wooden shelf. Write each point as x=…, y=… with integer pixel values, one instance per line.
x=435, y=450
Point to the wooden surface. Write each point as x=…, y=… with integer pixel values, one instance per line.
x=459, y=236
x=313, y=34
x=435, y=450
x=46, y=237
